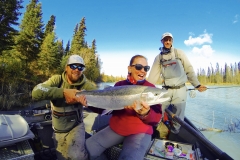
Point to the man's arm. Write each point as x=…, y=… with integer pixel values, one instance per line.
x=154, y=74
x=47, y=90
x=192, y=78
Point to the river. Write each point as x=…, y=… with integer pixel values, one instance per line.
x=218, y=108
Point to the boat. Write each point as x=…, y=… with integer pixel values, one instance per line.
x=27, y=135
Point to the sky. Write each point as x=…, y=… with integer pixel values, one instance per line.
x=207, y=31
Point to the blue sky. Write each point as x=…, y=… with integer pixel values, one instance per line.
x=207, y=31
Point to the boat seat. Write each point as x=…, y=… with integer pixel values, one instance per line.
x=13, y=129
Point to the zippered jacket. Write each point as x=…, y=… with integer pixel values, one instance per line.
x=52, y=89
x=49, y=89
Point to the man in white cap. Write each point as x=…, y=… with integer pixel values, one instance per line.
x=67, y=115
x=173, y=69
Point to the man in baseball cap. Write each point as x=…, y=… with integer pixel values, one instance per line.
x=167, y=34
x=67, y=119
x=173, y=69
x=75, y=59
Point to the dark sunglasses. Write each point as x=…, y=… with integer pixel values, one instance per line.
x=139, y=67
x=74, y=66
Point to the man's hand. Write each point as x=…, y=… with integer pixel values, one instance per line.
x=82, y=99
x=70, y=97
x=202, y=88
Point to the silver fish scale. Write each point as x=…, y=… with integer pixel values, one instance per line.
x=111, y=102
x=115, y=98
x=118, y=90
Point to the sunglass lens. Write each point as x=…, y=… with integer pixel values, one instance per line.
x=146, y=68
x=138, y=66
x=73, y=67
x=80, y=68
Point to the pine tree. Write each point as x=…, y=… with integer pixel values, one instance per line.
x=78, y=41
x=9, y=12
x=67, y=48
x=48, y=57
x=50, y=25
x=30, y=35
x=61, y=50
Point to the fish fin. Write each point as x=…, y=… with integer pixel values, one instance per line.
x=106, y=111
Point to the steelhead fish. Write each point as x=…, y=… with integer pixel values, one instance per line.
x=116, y=98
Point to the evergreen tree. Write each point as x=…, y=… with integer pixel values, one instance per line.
x=48, y=57
x=237, y=73
x=91, y=71
x=78, y=41
x=218, y=75
x=67, y=48
x=75, y=29
x=9, y=12
x=50, y=25
x=61, y=50
x=30, y=36
x=225, y=73
x=94, y=46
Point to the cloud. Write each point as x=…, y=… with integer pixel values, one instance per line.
x=205, y=51
x=235, y=19
x=201, y=39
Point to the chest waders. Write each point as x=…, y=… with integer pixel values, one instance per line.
x=175, y=78
x=173, y=72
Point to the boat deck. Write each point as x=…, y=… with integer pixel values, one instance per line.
x=20, y=151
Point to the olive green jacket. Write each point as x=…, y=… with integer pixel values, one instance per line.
x=50, y=90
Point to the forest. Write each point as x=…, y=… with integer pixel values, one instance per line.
x=30, y=53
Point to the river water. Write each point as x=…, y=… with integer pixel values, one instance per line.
x=217, y=108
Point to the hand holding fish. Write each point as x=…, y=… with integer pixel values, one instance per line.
x=142, y=111
x=82, y=99
x=71, y=98
x=70, y=95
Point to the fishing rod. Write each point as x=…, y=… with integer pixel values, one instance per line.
x=192, y=92
x=213, y=88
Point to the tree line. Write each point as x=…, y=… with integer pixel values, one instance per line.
x=32, y=53
x=226, y=75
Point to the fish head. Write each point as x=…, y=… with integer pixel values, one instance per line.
x=152, y=95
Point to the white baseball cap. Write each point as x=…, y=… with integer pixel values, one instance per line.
x=75, y=59
x=167, y=34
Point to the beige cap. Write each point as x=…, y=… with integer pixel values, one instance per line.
x=75, y=59
x=167, y=34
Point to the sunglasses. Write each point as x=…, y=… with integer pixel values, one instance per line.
x=139, y=67
x=74, y=66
